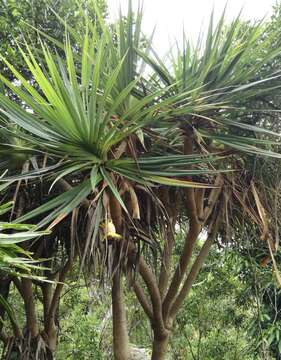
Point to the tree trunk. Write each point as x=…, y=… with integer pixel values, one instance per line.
x=160, y=348
x=30, y=312
x=120, y=333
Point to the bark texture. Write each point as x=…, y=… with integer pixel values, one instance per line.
x=160, y=347
x=120, y=333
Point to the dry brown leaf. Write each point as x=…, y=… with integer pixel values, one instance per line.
x=261, y=211
x=56, y=221
x=134, y=203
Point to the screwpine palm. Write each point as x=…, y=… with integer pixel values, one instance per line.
x=114, y=136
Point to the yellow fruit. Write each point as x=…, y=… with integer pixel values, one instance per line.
x=109, y=230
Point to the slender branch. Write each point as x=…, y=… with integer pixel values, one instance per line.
x=191, y=206
x=152, y=288
x=191, y=237
x=172, y=212
x=167, y=259
x=195, y=227
x=143, y=300
x=199, y=200
x=195, y=268
x=154, y=293
x=192, y=234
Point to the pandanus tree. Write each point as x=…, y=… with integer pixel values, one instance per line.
x=116, y=150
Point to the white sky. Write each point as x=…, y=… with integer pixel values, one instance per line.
x=170, y=16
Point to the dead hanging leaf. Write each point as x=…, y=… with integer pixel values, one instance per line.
x=73, y=230
x=245, y=207
x=275, y=268
x=265, y=234
x=127, y=187
x=262, y=213
x=132, y=148
x=134, y=203
x=105, y=203
x=124, y=188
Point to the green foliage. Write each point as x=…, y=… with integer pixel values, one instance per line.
x=212, y=323
x=16, y=17
x=13, y=258
x=81, y=324
x=262, y=293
